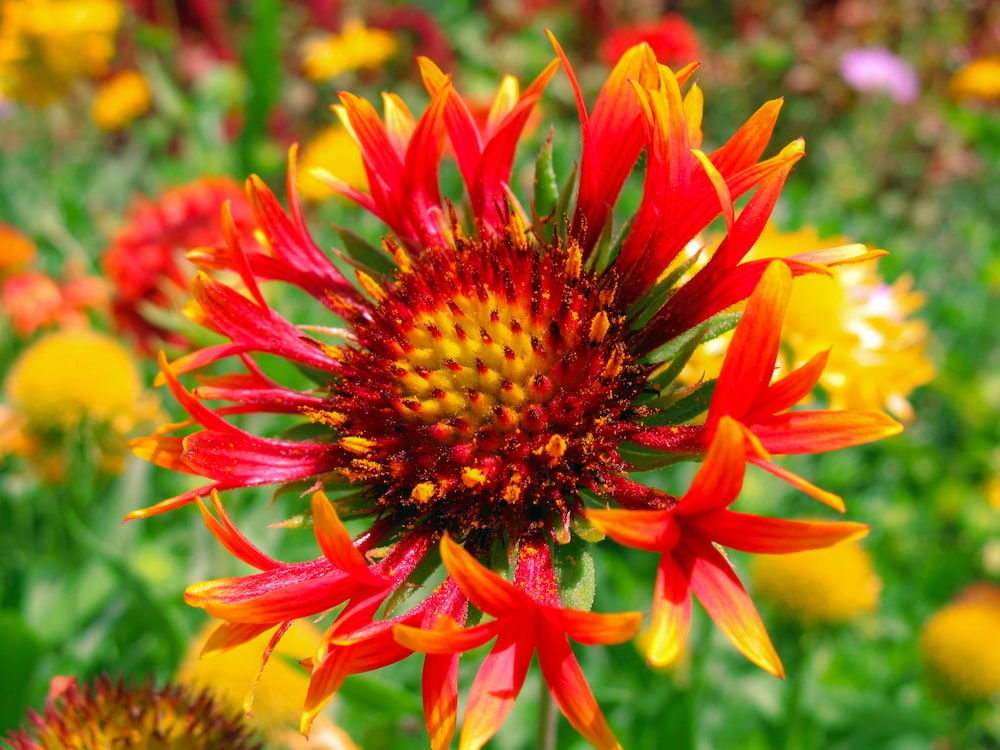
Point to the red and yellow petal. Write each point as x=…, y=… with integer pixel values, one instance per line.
x=722, y=595
x=569, y=688
x=671, y=613
x=650, y=530
x=823, y=431
x=337, y=545
x=485, y=589
x=497, y=684
x=593, y=628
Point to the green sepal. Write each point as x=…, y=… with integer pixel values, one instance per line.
x=575, y=574
x=642, y=458
x=682, y=405
x=657, y=297
x=562, y=204
x=365, y=255
x=427, y=565
x=546, y=187
x=710, y=329
x=584, y=529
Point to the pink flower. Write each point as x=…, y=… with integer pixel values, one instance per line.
x=876, y=69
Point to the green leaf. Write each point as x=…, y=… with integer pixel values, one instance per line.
x=20, y=652
x=574, y=566
x=662, y=290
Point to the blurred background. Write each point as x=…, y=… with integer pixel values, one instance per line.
x=123, y=125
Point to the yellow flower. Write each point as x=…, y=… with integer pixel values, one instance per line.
x=16, y=250
x=73, y=376
x=980, y=79
x=120, y=100
x=834, y=584
x=334, y=151
x=876, y=352
x=960, y=645
x=277, y=699
x=65, y=380
x=356, y=47
x=45, y=45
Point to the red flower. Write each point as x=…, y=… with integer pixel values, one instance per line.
x=685, y=534
x=145, y=262
x=485, y=377
x=672, y=39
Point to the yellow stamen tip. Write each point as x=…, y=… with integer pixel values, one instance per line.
x=472, y=477
x=371, y=287
x=357, y=445
x=556, y=447
x=423, y=492
x=599, y=327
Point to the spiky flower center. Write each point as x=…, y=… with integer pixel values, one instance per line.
x=491, y=383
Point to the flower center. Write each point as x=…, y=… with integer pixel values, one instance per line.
x=487, y=380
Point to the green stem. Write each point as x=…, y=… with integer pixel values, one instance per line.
x=547, y=719
x=795, y=667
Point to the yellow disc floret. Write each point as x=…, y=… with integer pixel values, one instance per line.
x=472, y=362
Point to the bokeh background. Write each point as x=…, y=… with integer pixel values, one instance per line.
x=124, y=124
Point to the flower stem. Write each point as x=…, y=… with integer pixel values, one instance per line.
x=796, y=664
x=547, y=719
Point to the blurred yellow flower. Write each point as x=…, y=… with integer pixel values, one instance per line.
x=16, y=250
x=876, y=351
x=120, y=100
x=960, y=645
x=45, y=45
x=834, y=584
x=280, y=694
x=980, y=79
x=333, y=150
x=65, y=380
x=356, y=47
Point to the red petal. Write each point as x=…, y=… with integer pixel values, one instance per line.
x=445, y=637
x=246, y=460
x=439, y=685
x=762, y=534
x=294, y=590
x=822, y=431
x=750, y=357
x=720, y=476
x=326, y=680
x=230, y=635
x=232, y=538
x=827, y=498
x=785, y=393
